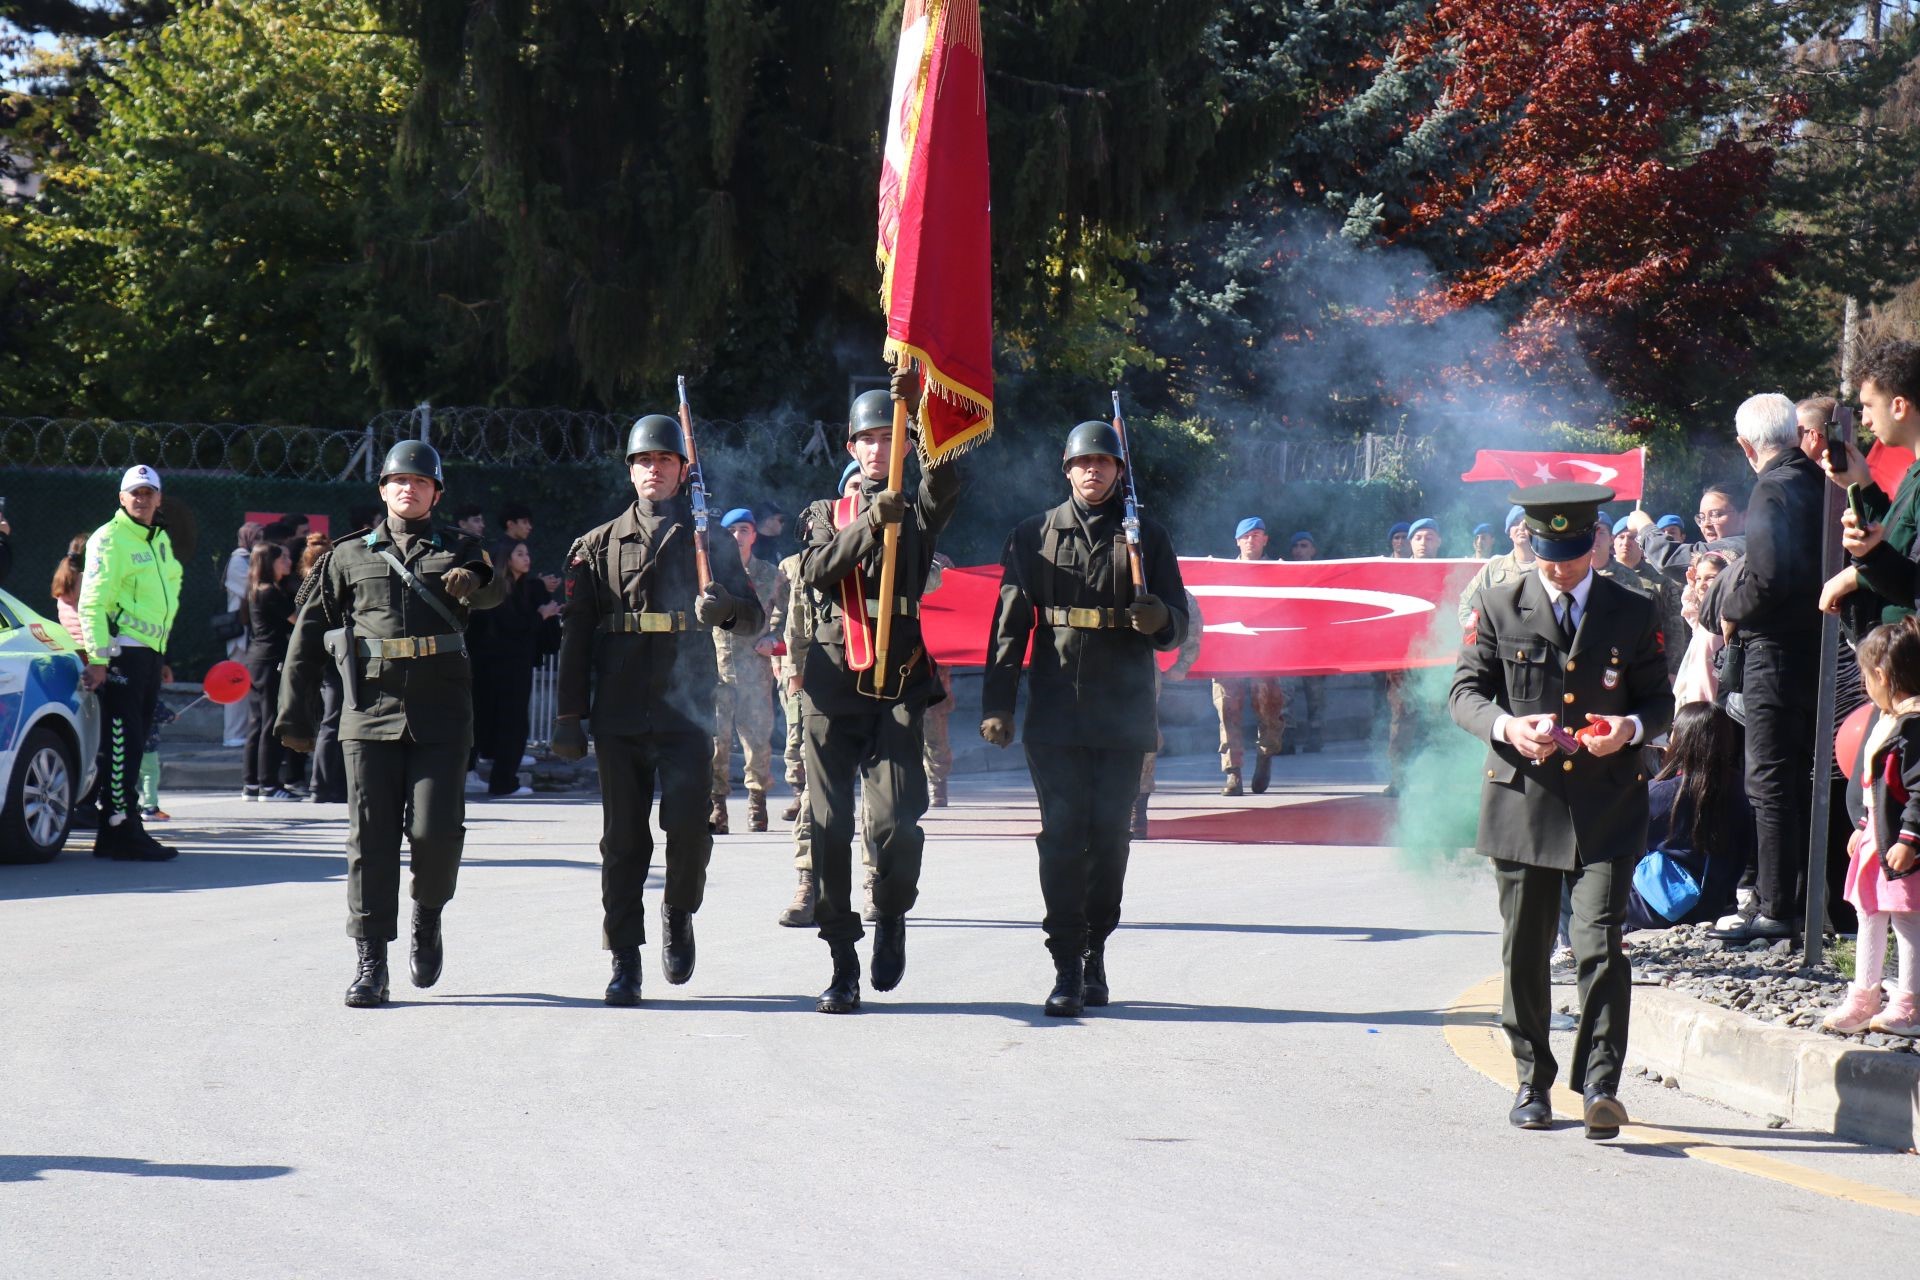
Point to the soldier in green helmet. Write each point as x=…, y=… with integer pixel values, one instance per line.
x=389, y=607
x=637, y=662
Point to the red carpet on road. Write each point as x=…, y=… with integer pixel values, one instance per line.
x=1342, y=820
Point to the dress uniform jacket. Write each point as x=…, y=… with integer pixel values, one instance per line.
x=639, y=682
x=830, y=555
x=1569, y=810
x=1090, y=687
x=426, y=699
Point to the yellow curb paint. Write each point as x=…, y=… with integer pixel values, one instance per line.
x=1473, y=1032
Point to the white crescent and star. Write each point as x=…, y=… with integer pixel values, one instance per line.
x=1390, y=604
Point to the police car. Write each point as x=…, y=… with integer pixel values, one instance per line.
x=49, y=733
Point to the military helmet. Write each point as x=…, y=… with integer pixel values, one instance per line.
x=413, y=458
x=872, y=411
x=1091, y=438
x=656, y=433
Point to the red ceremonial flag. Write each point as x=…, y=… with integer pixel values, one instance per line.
x=1889, y=466
x=935, y=252
x=1263, y=617
x=1624, y=473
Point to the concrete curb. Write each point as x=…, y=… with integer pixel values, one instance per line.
x=1814, y=1081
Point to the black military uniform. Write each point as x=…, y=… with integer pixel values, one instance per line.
x=637, y=660
x=1579, y=818
x=852, y=735
x=408, y=715
x=1091, y=711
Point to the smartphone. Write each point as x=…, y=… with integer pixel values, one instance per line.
x=1853, y=505
x=1841, y=432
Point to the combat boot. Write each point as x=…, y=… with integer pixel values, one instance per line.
x=756, y=810
x=792, y=810
x=1094, y=967
x=843, y=993
x=624, y=990
x=940, y=794
x=871, y=914
x=1068, y=998
x=369, y=989
x=1140, y=817
x=676, y=951
x=717, y=820
x=1262, y=773
x=799, y=913
x=889, y=962
x=429, y=952
x=1233, y=783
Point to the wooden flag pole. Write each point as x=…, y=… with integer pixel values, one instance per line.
x=890, y=548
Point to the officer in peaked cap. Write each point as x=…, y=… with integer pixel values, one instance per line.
x=1565, y=650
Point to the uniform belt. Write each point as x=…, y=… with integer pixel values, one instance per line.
x=647, y=622
x=1085, y=619
x=411, y=646
x=904, y=606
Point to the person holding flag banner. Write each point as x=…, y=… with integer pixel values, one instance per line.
x=868, y=677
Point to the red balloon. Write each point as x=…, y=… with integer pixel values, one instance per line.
x=226, y=682
x=1847, y=739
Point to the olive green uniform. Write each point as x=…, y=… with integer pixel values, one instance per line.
x=1092, y=684
x=851, y=736
x=406, y=729
x=743, y=700
x=641, y=671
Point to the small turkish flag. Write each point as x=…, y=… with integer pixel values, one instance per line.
x=1624, y=473
x=1889, y=466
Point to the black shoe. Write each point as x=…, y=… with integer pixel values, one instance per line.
x=429, y=952
x=624, y=990
x=1604, y=1114
x=1068, y=997
x=1531, y=1109
x=1094, y=969
x=1262, y=774
x=128, y=841
x=369, y=989
x=1139, y=828
x=843, y=993
x=676, y=952
x=889, y=962
x=1761, y=926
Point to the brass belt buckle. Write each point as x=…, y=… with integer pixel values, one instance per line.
x=394, y=648
x=1085, y=618
x=655, y=622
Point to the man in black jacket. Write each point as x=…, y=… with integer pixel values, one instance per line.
x=637, y=661
x=1091, y=715
x=1772, y=609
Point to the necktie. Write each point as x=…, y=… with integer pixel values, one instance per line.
x=1564, y=611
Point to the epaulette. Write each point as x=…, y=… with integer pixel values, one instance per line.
x=349, y=537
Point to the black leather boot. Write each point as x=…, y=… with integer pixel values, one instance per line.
x=843, y=993
x=369, y=989
x=1094, y=965
x=1068, y=997
x=624, y=990
x=429, y=952
x=1262, y=773
x=889, y=963
x=676, y=951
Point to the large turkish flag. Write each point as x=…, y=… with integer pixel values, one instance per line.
x=1624, y=473
x=1263, y=617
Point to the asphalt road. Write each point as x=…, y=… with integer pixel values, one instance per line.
x=1272, y=1093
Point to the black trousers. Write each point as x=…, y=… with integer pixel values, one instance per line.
x=509, y=685
x=1779, y=712
x=629, y=766
x=1086, y=810
x=1530, y=914
x=883, y=752
x=265, y=758
x=126, y=718
x=396, y=788
x=329, y=762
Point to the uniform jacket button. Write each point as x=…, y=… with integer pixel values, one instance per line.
x=1566, y=766
x=1567, y=697
x=1569, y=664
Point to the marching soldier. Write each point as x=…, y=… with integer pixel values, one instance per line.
x=1230, y=696
x=743, y=702
x=389, y=606
x=851, y=734
x=1091, y=718
x=635, y=661
x=1563, y=649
